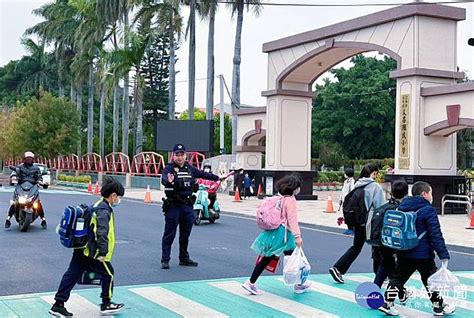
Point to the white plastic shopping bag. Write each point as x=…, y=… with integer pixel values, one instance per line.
x=296, y=268
x=443, y=279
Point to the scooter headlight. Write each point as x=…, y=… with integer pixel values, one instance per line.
x=35, y=205
x=22, y=200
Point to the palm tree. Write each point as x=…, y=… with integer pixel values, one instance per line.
x=191, y=30
x=208, y=8
x=238, y=7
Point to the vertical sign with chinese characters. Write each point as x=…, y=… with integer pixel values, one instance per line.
x=404, y=157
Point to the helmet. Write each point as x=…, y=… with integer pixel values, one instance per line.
x=29, y=154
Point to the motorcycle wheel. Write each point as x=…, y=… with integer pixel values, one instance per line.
x=26, y=223
x=197, y=221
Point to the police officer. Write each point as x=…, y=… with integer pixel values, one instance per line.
x=178, y=178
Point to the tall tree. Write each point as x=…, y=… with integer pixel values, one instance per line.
x=357, y=107
x=191, y=32
x=238, y=7
x=207, y=9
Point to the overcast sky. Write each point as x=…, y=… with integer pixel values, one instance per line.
x=273, y=23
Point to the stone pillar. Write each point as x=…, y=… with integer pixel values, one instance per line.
x=415, y=153
x=128, y=180
x=249, y=160
x=288, y=144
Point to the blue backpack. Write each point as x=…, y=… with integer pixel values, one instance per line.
x=399, y=230
x=75, y=227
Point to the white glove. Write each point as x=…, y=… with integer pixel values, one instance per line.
x=444, y=263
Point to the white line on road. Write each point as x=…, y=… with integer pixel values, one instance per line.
x=276, y=302
x=176, y=303
x=78, y=305
x=350, y=296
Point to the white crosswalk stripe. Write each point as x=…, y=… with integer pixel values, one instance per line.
x=177, y=303
x=450, y=300
x=349, y=296
x=81, y=307
x=273, y=301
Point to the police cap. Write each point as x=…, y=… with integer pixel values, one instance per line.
x=179, y=148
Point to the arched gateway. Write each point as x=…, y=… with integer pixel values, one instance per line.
x=430, y=106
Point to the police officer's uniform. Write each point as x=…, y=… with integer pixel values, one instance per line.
x=178, y=207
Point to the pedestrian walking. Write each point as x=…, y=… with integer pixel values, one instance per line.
x=179, y=180
x=247, y=186
x=384, y=257
x=422, y=257
x=96, y=256
x=348, y=186
x=366, y=196
x=271, y=244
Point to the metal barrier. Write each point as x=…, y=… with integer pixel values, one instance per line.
x=117, y=162
x=91, y=162
x=460, y=200
x=148, y=164
x=195, y=159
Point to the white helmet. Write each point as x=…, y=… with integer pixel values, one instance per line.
x=29, y=154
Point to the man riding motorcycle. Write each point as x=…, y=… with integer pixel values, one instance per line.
x=27, y=171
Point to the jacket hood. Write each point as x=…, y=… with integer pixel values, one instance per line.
x=363, y=181
x=413, y=203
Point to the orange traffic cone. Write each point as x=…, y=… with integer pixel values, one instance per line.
x=147, y=195
x=471, y=226
x=329, y=206
x=89, y=188
x=260, y=190
x=97, y=190
x=237, y=196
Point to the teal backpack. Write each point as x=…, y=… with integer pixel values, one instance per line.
x=399, y=230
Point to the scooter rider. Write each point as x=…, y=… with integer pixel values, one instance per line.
x=211, y=186
x=28, y=172
x=178, y=178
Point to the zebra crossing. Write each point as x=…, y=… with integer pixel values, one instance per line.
x=226, y=298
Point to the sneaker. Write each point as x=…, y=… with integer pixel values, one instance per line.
x=59, y=311
x=301, y=288
x=43, y=224
x=251, y=288
x=444, y=309
x=188, y=262
x=389, y=309
x=110, y=308
x=336, y=275
x=7, y=224
x=408, y=295
x=348, y=232
x=165, y=265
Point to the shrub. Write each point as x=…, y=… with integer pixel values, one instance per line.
x=79, y=179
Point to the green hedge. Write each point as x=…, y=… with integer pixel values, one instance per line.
x=317, y=163
x=80, y=179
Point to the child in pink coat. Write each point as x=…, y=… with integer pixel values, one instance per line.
x=274, y=243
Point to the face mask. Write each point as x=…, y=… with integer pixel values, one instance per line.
x=297, y=191
x=116, y=203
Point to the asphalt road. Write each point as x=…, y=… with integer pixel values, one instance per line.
x=35, y=261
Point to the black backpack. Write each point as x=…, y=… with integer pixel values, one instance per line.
x=353, y=207
x=374, y=223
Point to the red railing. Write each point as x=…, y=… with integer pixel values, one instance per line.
x=91, y=162
x=117, y=162
x=148, y=164
x=145, y=163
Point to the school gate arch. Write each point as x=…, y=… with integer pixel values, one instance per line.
x=430, y=106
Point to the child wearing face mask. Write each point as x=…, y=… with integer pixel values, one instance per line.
x=97, y=255
x=273, y=243
x=422, y=257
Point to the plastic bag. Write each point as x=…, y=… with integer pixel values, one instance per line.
x=296, y=268
x=443, y=279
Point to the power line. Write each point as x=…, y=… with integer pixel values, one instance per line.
x=366, y=4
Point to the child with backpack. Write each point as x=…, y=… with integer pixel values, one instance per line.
x=348, y=186
x=284, y=238
x=97, y=254
x=383, y=257
x=421, y=258
x=366, y=196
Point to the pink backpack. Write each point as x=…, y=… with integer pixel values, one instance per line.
x=269, y=213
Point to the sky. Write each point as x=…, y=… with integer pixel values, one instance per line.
x=273, y=23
